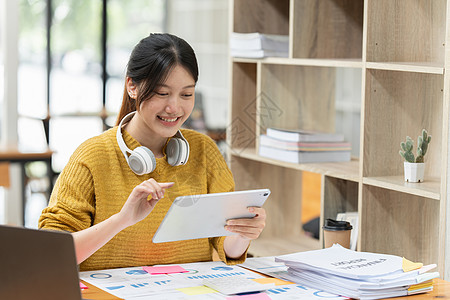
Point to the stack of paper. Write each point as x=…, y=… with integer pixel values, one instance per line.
x=360, y=275
x=258, y=45
x=304, y=146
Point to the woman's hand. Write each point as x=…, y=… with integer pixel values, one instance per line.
x=138, y=205
x=246, y=229
x=249, y=229
x=135, y=209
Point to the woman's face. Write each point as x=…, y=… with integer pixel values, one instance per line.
x=171, y=105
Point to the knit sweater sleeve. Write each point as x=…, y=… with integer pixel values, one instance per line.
x=220, y=179
x=72, y=205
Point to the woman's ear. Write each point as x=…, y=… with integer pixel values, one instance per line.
x=131, y=88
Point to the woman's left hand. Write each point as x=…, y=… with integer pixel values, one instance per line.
x=251, y=228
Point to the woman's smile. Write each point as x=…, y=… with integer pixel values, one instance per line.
x=169, y=121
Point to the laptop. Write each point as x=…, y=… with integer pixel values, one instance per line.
x=37, y=264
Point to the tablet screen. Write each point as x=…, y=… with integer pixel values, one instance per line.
x=204, y=216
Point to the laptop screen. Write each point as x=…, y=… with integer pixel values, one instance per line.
x=37, y=264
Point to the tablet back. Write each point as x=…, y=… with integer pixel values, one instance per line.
x=203, y=216
x=37, y=264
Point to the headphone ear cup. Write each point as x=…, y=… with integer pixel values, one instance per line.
x=177, y=152
x=142, y=161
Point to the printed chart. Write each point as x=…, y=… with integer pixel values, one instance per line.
x=135, y=283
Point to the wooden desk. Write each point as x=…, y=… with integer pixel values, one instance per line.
x=441, y=290
x=12, y=154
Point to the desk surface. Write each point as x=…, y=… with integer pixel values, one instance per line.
x=441, y=290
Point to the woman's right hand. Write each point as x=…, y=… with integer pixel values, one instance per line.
x=138, y=206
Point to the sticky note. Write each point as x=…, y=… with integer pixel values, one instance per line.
x=259, y=296
x=196, y=290
x=83, y=286
x=408, y=265
x=272, y=280
x=164, y=270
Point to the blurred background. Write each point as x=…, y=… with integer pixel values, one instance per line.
x=62, y=68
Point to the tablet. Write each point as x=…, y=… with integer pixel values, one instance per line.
x=204, y=216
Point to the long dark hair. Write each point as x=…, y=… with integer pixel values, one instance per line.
x=149, y=64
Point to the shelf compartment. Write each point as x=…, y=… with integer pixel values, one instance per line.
x=304, y=97
x=400, y=224
x=242, y=122
x=342, y=170
x=263, y=16
x=406, y=30
x=430, y=188
x=327, y=28
x=431, y=67
x=284, y=206
x=339, y=196
x=400, y=104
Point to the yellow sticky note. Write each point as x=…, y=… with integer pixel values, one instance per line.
x=272, y=280
x=422, y=285
x=197, y=290
x=408, y=265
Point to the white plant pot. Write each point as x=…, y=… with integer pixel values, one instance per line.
x=414, y=172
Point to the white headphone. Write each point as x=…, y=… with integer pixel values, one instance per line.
x=142, y=160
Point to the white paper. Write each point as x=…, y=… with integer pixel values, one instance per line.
x=266, y=265
x=344, y=262
x=359, y=275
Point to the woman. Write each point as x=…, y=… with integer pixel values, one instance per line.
x=113, y=204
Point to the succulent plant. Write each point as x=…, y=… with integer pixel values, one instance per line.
x=422, y=147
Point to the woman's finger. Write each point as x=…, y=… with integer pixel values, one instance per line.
x=157, y=189
x=245, y=223
x=258, y=211
x=247, y=232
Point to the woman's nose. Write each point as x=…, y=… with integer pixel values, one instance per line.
x=172, y=105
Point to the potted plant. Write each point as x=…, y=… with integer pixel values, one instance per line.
x=415, y=167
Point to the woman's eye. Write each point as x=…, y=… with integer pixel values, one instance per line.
x=161, y=94
x=187, y=95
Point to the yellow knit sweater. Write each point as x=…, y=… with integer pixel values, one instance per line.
x=97, y=181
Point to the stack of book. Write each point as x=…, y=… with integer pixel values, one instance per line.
x=359, y=275
x=258, y=45
x=304, y=146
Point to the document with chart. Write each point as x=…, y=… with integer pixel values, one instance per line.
x=137, y=283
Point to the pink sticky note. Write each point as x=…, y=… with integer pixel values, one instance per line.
x=258, y=296
x=164, y=270
x=83, y=286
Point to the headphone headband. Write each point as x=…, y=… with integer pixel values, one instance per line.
x=123, y=147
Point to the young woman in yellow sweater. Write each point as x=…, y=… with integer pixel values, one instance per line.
x=113, y=197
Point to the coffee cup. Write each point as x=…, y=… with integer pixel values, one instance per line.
x=337, y=232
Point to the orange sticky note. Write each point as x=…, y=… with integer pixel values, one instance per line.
x=164, y=270
x=272, y=280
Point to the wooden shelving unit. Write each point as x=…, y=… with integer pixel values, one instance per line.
x=401, y=49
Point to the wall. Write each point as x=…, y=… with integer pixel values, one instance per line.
x=204, y=25
x=10, y=199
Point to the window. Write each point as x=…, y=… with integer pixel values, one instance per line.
x=72, y=60
x=73, y=55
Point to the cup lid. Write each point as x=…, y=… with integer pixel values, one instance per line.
x=334, y=225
